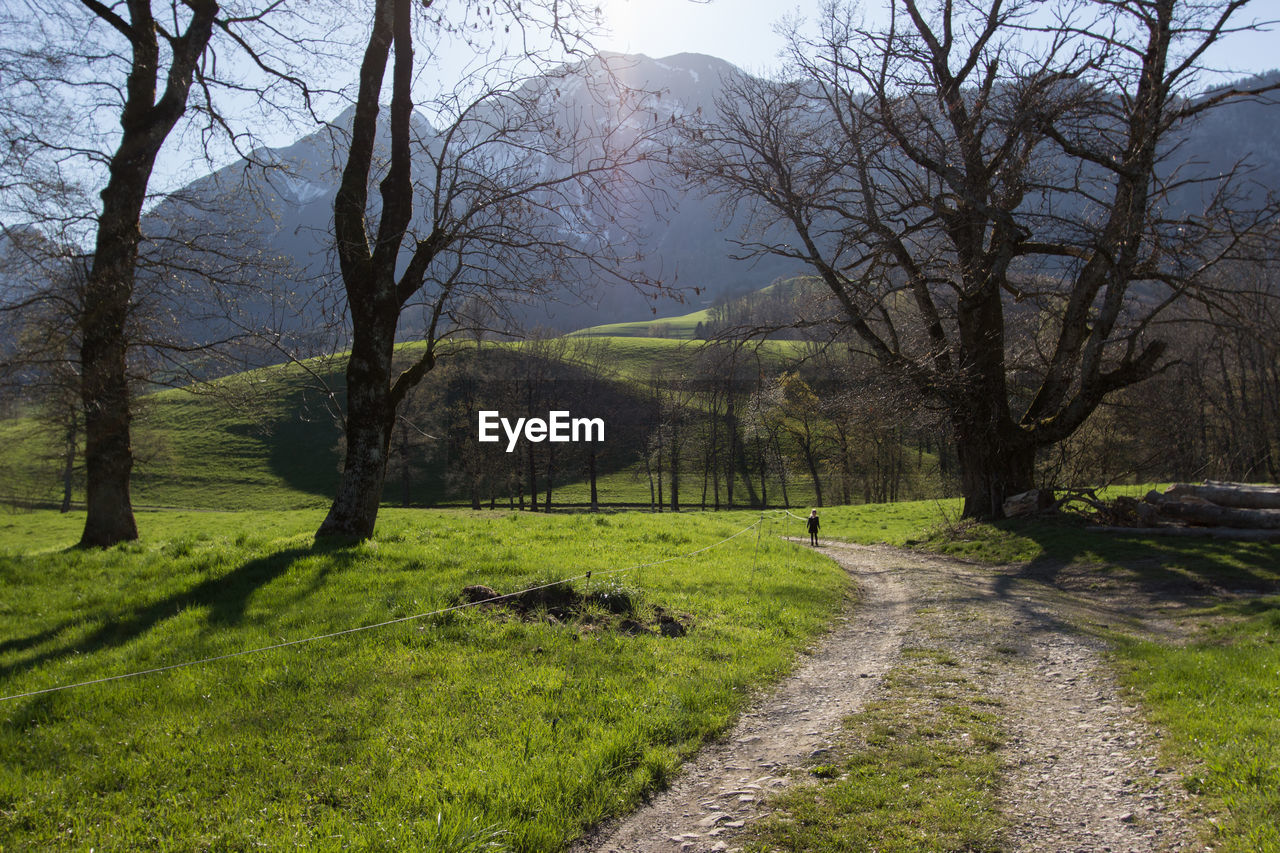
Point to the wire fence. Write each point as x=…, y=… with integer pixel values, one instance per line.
x=755, y=525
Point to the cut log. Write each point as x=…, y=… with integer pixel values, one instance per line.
x=1230, y=494
x=1212, y=515
x=1233, y=533
x=1131, y=512
x=1026, y=503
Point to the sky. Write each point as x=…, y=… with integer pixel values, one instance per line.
x=739, y=31
x=742, y=32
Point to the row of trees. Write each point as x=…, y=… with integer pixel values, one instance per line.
x=1213, y=414
x=505, y=208
x=721, y=425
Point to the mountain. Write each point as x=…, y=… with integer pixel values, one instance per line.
x=282, y=217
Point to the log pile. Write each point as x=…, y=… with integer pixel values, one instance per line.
x=1228, y=510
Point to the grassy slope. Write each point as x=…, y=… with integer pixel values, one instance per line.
x=442, y=734
x=640, y=358
x=678, y=328
x=266, y=440
x=257, y=440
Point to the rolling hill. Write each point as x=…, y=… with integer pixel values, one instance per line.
x=270, y=439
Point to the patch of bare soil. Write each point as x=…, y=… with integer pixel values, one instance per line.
x=606, y=609
x=1082, y=772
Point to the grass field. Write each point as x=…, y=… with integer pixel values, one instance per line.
x=677, y=328
x=1219, y=699
x=479, y=730
x=474, y=730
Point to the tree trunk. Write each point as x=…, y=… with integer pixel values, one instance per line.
x=69, y=457
x=108, y=454
x=370, y=417
x=591, y=469
x=706, y=476
x=146, y=122
x=994, y=465
x=715, y=485
x=782, y=473
x=764, y=474
x=1230, y=494
x=846, y=471
x=369, y=276
x=675, y=466
x=406, y=478
x=658, y=458
x=661, y=501
x=1207, y=514
x=744, y=467
x=533, y=477
x=812, y=463
x=551, y=470
x=648, y=469
x=731, y=458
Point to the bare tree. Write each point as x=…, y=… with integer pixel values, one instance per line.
x=77, y=67
x=969, y=166
x=802, y=421
x=1216, y=412
x=511, y=185
x=38, y=365
x=594, y=392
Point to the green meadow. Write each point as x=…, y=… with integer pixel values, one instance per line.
x=1218, y=697
x=486, y=728
x=268, y=439
x=473, y=729
x=681, y=327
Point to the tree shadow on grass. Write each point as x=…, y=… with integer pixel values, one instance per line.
x=226, y=597
x=1075, y=558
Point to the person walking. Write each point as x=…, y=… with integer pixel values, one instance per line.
x=813, y=528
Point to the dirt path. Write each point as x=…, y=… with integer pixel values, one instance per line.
x=1081, y=773
x=722, y=788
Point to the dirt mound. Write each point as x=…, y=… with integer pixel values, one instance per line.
x=609, y=608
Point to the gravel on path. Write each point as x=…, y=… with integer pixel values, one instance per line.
x=725, y=785
x=1081, y=770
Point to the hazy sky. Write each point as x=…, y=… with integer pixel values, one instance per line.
x=739, y=31
x=742, y=31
